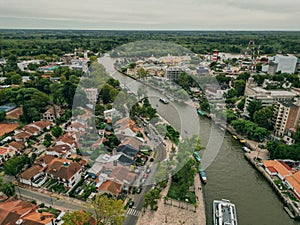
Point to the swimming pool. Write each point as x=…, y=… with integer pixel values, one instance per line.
x=7, y=107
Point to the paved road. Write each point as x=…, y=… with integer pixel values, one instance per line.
x=50, y=200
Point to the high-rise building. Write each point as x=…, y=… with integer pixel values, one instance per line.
x=286, y=116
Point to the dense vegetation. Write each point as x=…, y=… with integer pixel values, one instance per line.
x=48, y=44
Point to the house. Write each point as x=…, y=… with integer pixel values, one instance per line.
x=34, y=176
x=65, y=171
x=125, y=127
x=52, y=113
x=128, y=150
x=135, y=142
x=15, y=211
x=276, y=168
x=17, y=146
x=108, y=114
x=68, y=139
x=62, y=151
x=42, y=125
x=44, y=160
x=5, y=154
x=35, y=131
x=110, y=187
x=22, y=136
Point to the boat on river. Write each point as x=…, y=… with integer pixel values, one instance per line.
x=197, y=156
x=201, y=113
x=202, y=175
x=224, y=212
x=164, y=101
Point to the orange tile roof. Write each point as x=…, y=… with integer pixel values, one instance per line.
x=15, y=114
x=111, y=186
x=19, y=145
x=281, y=169
x=12, y=210
x=42, y=124
x=3, y=150
x=31, y=172
x=7, y=128
x=294, y=183
x=23, y=135
x=58, y=168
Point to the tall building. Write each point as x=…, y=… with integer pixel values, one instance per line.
x=286, y=116
x=285, y=64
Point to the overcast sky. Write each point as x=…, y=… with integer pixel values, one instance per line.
x=152, y=14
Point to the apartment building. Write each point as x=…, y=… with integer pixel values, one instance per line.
x=286, y=116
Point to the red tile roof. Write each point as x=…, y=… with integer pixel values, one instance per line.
x=63, y=168
x=111, y=187
x=31, y=172
x=13, y=210
x=279, y=167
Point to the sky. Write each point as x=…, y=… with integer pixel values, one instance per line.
x=151, y=14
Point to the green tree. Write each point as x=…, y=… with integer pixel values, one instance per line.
x=239, y=86
x=108, y=210
x=262, y=117
x=151, y=198
x=56, y=131
x=79, y=217
x=141, y=73
x=15, y=165
x=2, y=115
x=16, y=79
x=253, y=107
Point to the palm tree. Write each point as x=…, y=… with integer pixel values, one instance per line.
x=196, y=206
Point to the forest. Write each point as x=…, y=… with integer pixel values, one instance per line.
x=54, y=43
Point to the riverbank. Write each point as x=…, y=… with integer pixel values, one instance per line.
x=290, y=208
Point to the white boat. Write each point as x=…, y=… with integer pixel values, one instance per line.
x=224, y=212
x=245, y=149
x=163, y=100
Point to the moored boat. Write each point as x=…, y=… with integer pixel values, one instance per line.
x=202, y=175
x=235, y=137
x=224, y=212
x=201, y=113
x=163, y=100
x=245, y=149
x=197, y=156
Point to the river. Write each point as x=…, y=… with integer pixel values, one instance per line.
x=229, y=175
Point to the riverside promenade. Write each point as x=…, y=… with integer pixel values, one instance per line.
x=175, y=212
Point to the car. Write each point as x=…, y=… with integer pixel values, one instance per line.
x=131, y=204
x=148, y=171
x=146, y=175
x=143, y=180
x=139, y=190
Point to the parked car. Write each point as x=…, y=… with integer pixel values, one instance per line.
x=146, y=175
x=148, y=170
x=131, y=204
x=139, y=190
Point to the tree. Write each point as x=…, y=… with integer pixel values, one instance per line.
x=253, y=107
x=141, y=73
x=241, y=104
x=262, y=117
x=16, y=79
x=56, y=131
x=108, y=210
x=7, y=188
x=15, y=165
x=2, y=115
x=79, y=217
x=151, y=198
x=239, y=86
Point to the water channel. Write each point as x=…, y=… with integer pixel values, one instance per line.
x=230, y=176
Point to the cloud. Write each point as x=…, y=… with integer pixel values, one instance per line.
x=151, y=14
